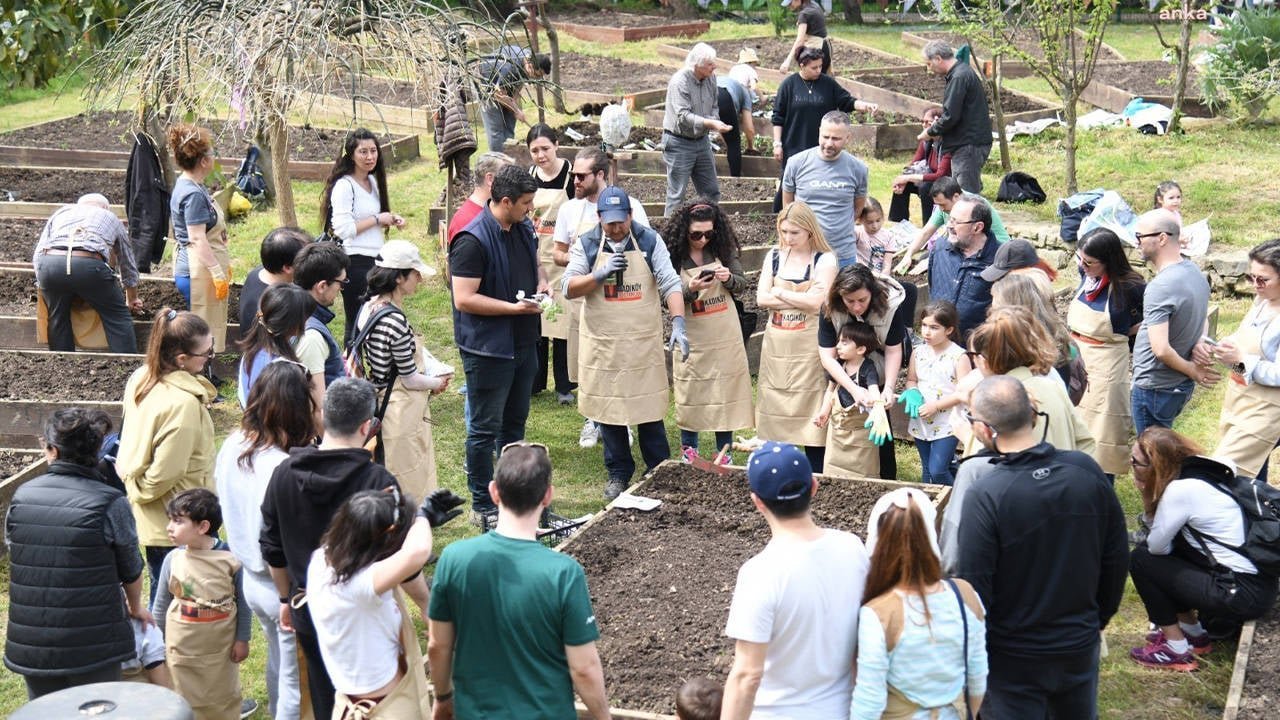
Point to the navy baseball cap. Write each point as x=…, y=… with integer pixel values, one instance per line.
x=613, y=205
x=779, y=471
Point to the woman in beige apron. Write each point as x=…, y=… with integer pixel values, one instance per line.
x=555, y=186
x=199, y=629
x=713, y=386
x=1104, y=313
x=407, y=444
x=202, y=265
x=1250, y=422
x=794, y=279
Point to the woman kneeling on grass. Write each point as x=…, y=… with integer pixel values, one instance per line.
x=1184, y=570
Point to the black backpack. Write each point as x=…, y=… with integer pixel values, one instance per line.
x=1260, y=506
x=249, y=178
x=1020, y=187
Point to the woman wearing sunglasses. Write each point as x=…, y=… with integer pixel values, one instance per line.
x=1250, y=423
x=713, y=385
x=166, y=440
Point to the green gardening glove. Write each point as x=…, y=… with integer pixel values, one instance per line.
x=878, y=423
x=911, y=401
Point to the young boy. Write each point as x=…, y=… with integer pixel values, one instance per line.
x=699, y=699
x=850, y=453
x=201, y=608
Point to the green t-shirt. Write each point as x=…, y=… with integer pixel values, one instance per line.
x=939, y=219
x=514, y=605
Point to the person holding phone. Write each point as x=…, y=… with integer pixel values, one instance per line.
x=713, y=387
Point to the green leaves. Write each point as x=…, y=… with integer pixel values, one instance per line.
x=41, y=38
x=1241, y=72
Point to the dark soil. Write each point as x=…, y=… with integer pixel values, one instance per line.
x=591, y=129
x=772, y=50
x=654, y=188
x=1026, y=41
x=605, y=17
x=610, y=75
x=381, y=90
x=59, y=185
x=110, y=131
x=64, y=377
x=1147, y=77
x=18, y=239
x=1261, y=689
x=754, y=230
x=18, y=296
x=927, y=86
x=11, y=463
x=661, y=582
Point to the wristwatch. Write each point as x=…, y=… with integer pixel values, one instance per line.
x=1238, y=368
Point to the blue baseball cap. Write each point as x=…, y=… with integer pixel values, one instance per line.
x=613, y=205
x=779, y=471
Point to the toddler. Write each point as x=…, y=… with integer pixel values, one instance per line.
x=850, y=453
x=876, y=245
x=201, y=608
x=1169, y=197
x=699, y=699
x=932, y=373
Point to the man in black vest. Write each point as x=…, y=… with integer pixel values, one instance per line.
x=73, y=545
x=321, y=269
x=496, y=325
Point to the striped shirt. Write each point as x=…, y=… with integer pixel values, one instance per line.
x=388, y=348
x=87, y=227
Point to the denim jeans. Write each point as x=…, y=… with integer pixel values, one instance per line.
x=499, y=125
x=689, y=438
x=498, y=393
x=936, y=457
x=93, y=281
x=618, y=462
x=283, y=696
x=686, y=160
x=155, y=560
x=1159, y=407
x=966, y=166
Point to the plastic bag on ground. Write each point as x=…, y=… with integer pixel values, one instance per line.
x=1113, y=213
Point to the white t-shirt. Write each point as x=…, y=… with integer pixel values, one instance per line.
x=802, y=598
x=580, y=213
x=350, y=204
x=358, y=629
x=1188, y=501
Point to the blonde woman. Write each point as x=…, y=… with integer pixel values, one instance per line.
x=794, y=280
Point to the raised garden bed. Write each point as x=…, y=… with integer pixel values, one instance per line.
x=1026, y=41
x=845, y=55
x=18, y=293
x=18, y=239
x=59, y=185
x=1255, y=683
x=65, y=377
x=1115, y=84
x=609, y=26
x=590, y=130
x=650, y=161
x=927, y=86
x=14, y=461
x=13, y=475
x=661, y=582
x=646, y=83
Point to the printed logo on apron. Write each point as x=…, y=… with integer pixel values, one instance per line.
x=789, y=319
x=709, y=306
x=626, y=292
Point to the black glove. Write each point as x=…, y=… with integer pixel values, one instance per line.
x=439, y=507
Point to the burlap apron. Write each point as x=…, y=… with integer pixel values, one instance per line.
x=203, y=300
x=713, y=386
x=898, y=707
x=409, y=699
x=850, y=452
x=1250, y=422
x=200, y=627
x=622, y=373
x=86, y=324
x=573, y=330
x=791, y=380
x=408, y=444
x=1105, y=405
x=546, y=205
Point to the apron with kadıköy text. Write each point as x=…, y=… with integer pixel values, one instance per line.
x=409, y=699
x=200, y=628
x=791, y=379
x=408, y=444
x=1250, y=422
x=850, y=452
x=713, y=386
x=204, y=301
x=622, y=370
x=546, y=206
x=1105, y=407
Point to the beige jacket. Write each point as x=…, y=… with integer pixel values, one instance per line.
x=166, y=446
x=1067, y=430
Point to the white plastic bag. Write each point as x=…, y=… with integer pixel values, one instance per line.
x=1114, y=214
x=1195, y=238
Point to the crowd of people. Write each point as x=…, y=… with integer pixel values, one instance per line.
x=328, y=491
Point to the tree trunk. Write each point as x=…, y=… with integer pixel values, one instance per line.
x=1069, y=111
x=852, y=11
x=997, y=106
x=278, y=135
x=1184, y=63
x=553, y=40
x=262, y=139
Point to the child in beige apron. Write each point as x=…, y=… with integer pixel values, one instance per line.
x=712, y=386
x=409, y=450
x=1250, y=422
x=791, y=379
x=622, y=372
x=1105, y=405
x=204, y=301
x=850, y=452
x=200, y=628
x=409, y=699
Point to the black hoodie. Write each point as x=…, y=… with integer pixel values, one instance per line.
x=305, y=492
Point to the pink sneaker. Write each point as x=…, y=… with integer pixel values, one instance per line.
x=1200, y=644
x=1162, y=657
x=688, y=454
x=726, y=459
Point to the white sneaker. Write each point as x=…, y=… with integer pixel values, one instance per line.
x=631, y=437
x=590, y=434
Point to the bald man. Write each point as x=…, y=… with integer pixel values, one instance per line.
x=73, y=261
x=1170, y=356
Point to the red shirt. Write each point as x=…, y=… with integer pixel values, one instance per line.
x=931, y=150
x=462, y=218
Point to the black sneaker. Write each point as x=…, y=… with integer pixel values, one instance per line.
x=614, y=488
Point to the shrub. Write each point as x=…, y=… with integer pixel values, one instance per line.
x=1242, y=71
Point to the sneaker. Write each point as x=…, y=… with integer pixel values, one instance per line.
x=688, y=454
x=485, y=520
x=727, y=459
x=248, y=707
x=614, y=488
x=631, y=437
x=1161, y=656
x=590, y=434
x=564, y=398
x=1200, y=644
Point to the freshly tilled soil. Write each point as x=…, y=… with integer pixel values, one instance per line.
x=59, y=185
x=18, y=239
x=11, y=463
x=927, y=86
x=18, y=296
x=64, y=377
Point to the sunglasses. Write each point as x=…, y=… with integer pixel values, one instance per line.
x=525, y=443
x=1143, y=236
x=294, y=363
x=1134, y=461
x=696, y=235
x=581, y=176
x=1085, y=263
x=343, y=282
x=1258, y=279
x=969, y=416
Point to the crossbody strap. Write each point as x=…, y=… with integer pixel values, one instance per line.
x=964, y=624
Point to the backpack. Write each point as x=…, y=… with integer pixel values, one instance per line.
x=249, y=178
x=353, y=356
x=1020, y=187
x=1260, y=506
x=1074, y=210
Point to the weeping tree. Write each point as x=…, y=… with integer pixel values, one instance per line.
x=255, y=63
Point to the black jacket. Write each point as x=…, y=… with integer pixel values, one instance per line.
x=305, y=492
x=146, y=202
x=1042, y=539
x=964, y=118
x=66, y=611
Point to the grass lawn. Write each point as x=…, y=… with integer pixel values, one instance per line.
x=1209, y=158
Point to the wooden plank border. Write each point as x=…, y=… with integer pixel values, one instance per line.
x=1235, y=691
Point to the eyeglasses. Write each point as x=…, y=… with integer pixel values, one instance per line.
x=293, y=363
x=951, y=222
x=343, y=281
x=1140, y=236
x=207, y=355
x=696, y=235
x=1084, y=262
x=525, y=443
x=1134, y=461
x=1258, y=279
x=969, y=416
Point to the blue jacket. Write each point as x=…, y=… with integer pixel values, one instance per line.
x=333, y=365
x=957, y=278
x=494, y=335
